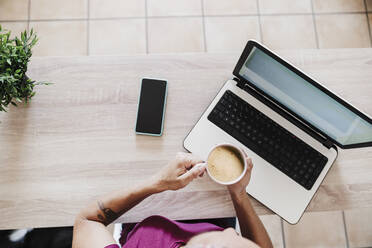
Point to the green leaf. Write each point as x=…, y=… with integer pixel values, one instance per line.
x=15, y=54
x=33, y=42
x=23, y=36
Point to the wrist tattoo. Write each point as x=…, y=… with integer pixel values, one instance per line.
x=108, y=214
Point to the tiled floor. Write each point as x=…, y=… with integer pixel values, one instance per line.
x=108, y=27
x=322, y=229
x=99, y=27
x=349, y=228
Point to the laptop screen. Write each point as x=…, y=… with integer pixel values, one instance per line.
x=304, y=99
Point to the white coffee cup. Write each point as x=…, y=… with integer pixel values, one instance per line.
x=242, y=157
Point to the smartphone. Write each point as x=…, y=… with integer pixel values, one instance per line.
x=151, y=107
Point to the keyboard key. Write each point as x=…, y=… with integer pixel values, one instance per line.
x=220, y=107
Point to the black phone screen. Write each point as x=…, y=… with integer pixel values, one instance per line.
x=151, y=106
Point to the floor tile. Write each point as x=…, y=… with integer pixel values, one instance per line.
x=272, y=224
x=174, y=8
x=230, y=7
x=117, y=37
x=284, y=6
x=180, y=35
x=317, y=229
x=369, y=5
x=277, y=29
x=57, y=9
x=222, y=36
x=116, y=8
x=359, y=227
x=11, y=10
x=342, y=31
x=15, y=27
x=60, y=38
x=332, y=6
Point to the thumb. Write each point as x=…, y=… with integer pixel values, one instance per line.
x=191, y=174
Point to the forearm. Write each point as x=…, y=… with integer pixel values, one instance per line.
x=108, y=208
x=89, y=228
x=251, y=226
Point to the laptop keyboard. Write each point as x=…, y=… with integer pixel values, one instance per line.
x=268, y=139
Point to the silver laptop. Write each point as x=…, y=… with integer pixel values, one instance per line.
x=289, y=125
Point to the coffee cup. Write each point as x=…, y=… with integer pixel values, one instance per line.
x=225, y=164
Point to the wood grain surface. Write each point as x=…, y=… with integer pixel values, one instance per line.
x=76, y=139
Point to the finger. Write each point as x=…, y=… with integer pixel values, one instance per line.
x=191, y=175
x=202, y=167
x=183, y=161
x=249, y=167
x=249, y=163
x=191, y=160
x=204, y=171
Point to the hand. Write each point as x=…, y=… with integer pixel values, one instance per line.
x=179, y=172
x=238, y=189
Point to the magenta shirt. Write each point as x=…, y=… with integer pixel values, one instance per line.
x=160, y=232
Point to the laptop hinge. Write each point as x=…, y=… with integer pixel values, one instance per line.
x=328, y=144
x=244, y=86
x=240, y=84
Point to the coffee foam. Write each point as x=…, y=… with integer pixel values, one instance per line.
x=225, y=164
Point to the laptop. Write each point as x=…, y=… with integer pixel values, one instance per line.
x=289, y=124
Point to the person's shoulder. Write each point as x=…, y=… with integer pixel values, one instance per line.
x=155, y=218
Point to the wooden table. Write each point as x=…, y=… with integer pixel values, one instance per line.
x=76, y=139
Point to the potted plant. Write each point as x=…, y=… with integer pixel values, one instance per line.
x=15, y=86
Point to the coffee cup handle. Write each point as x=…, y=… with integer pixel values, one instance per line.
x=200, y=165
